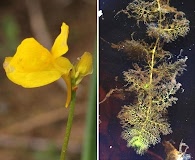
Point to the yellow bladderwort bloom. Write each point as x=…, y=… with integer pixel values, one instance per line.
x=35, y=66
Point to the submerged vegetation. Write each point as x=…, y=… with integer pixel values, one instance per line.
x=153, y=82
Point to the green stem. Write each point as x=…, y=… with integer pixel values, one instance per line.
x=68, y=126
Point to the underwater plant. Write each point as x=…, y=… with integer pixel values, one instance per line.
x=154, y=81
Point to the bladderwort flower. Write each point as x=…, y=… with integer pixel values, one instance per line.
x=35, y=66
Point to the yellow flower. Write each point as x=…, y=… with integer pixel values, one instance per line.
x=35, y=66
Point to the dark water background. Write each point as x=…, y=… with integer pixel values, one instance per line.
x=181, y=115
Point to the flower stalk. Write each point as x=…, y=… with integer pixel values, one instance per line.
x=68, y=126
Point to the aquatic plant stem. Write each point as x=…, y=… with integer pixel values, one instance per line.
x=152, y=60
x=153, y=51
x=68, y=126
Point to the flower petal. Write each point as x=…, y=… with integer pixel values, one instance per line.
x=31, y=66
x=30, y=56
x=84, y=67
x=63, y=65
x=34, y=79
x=60, y=46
